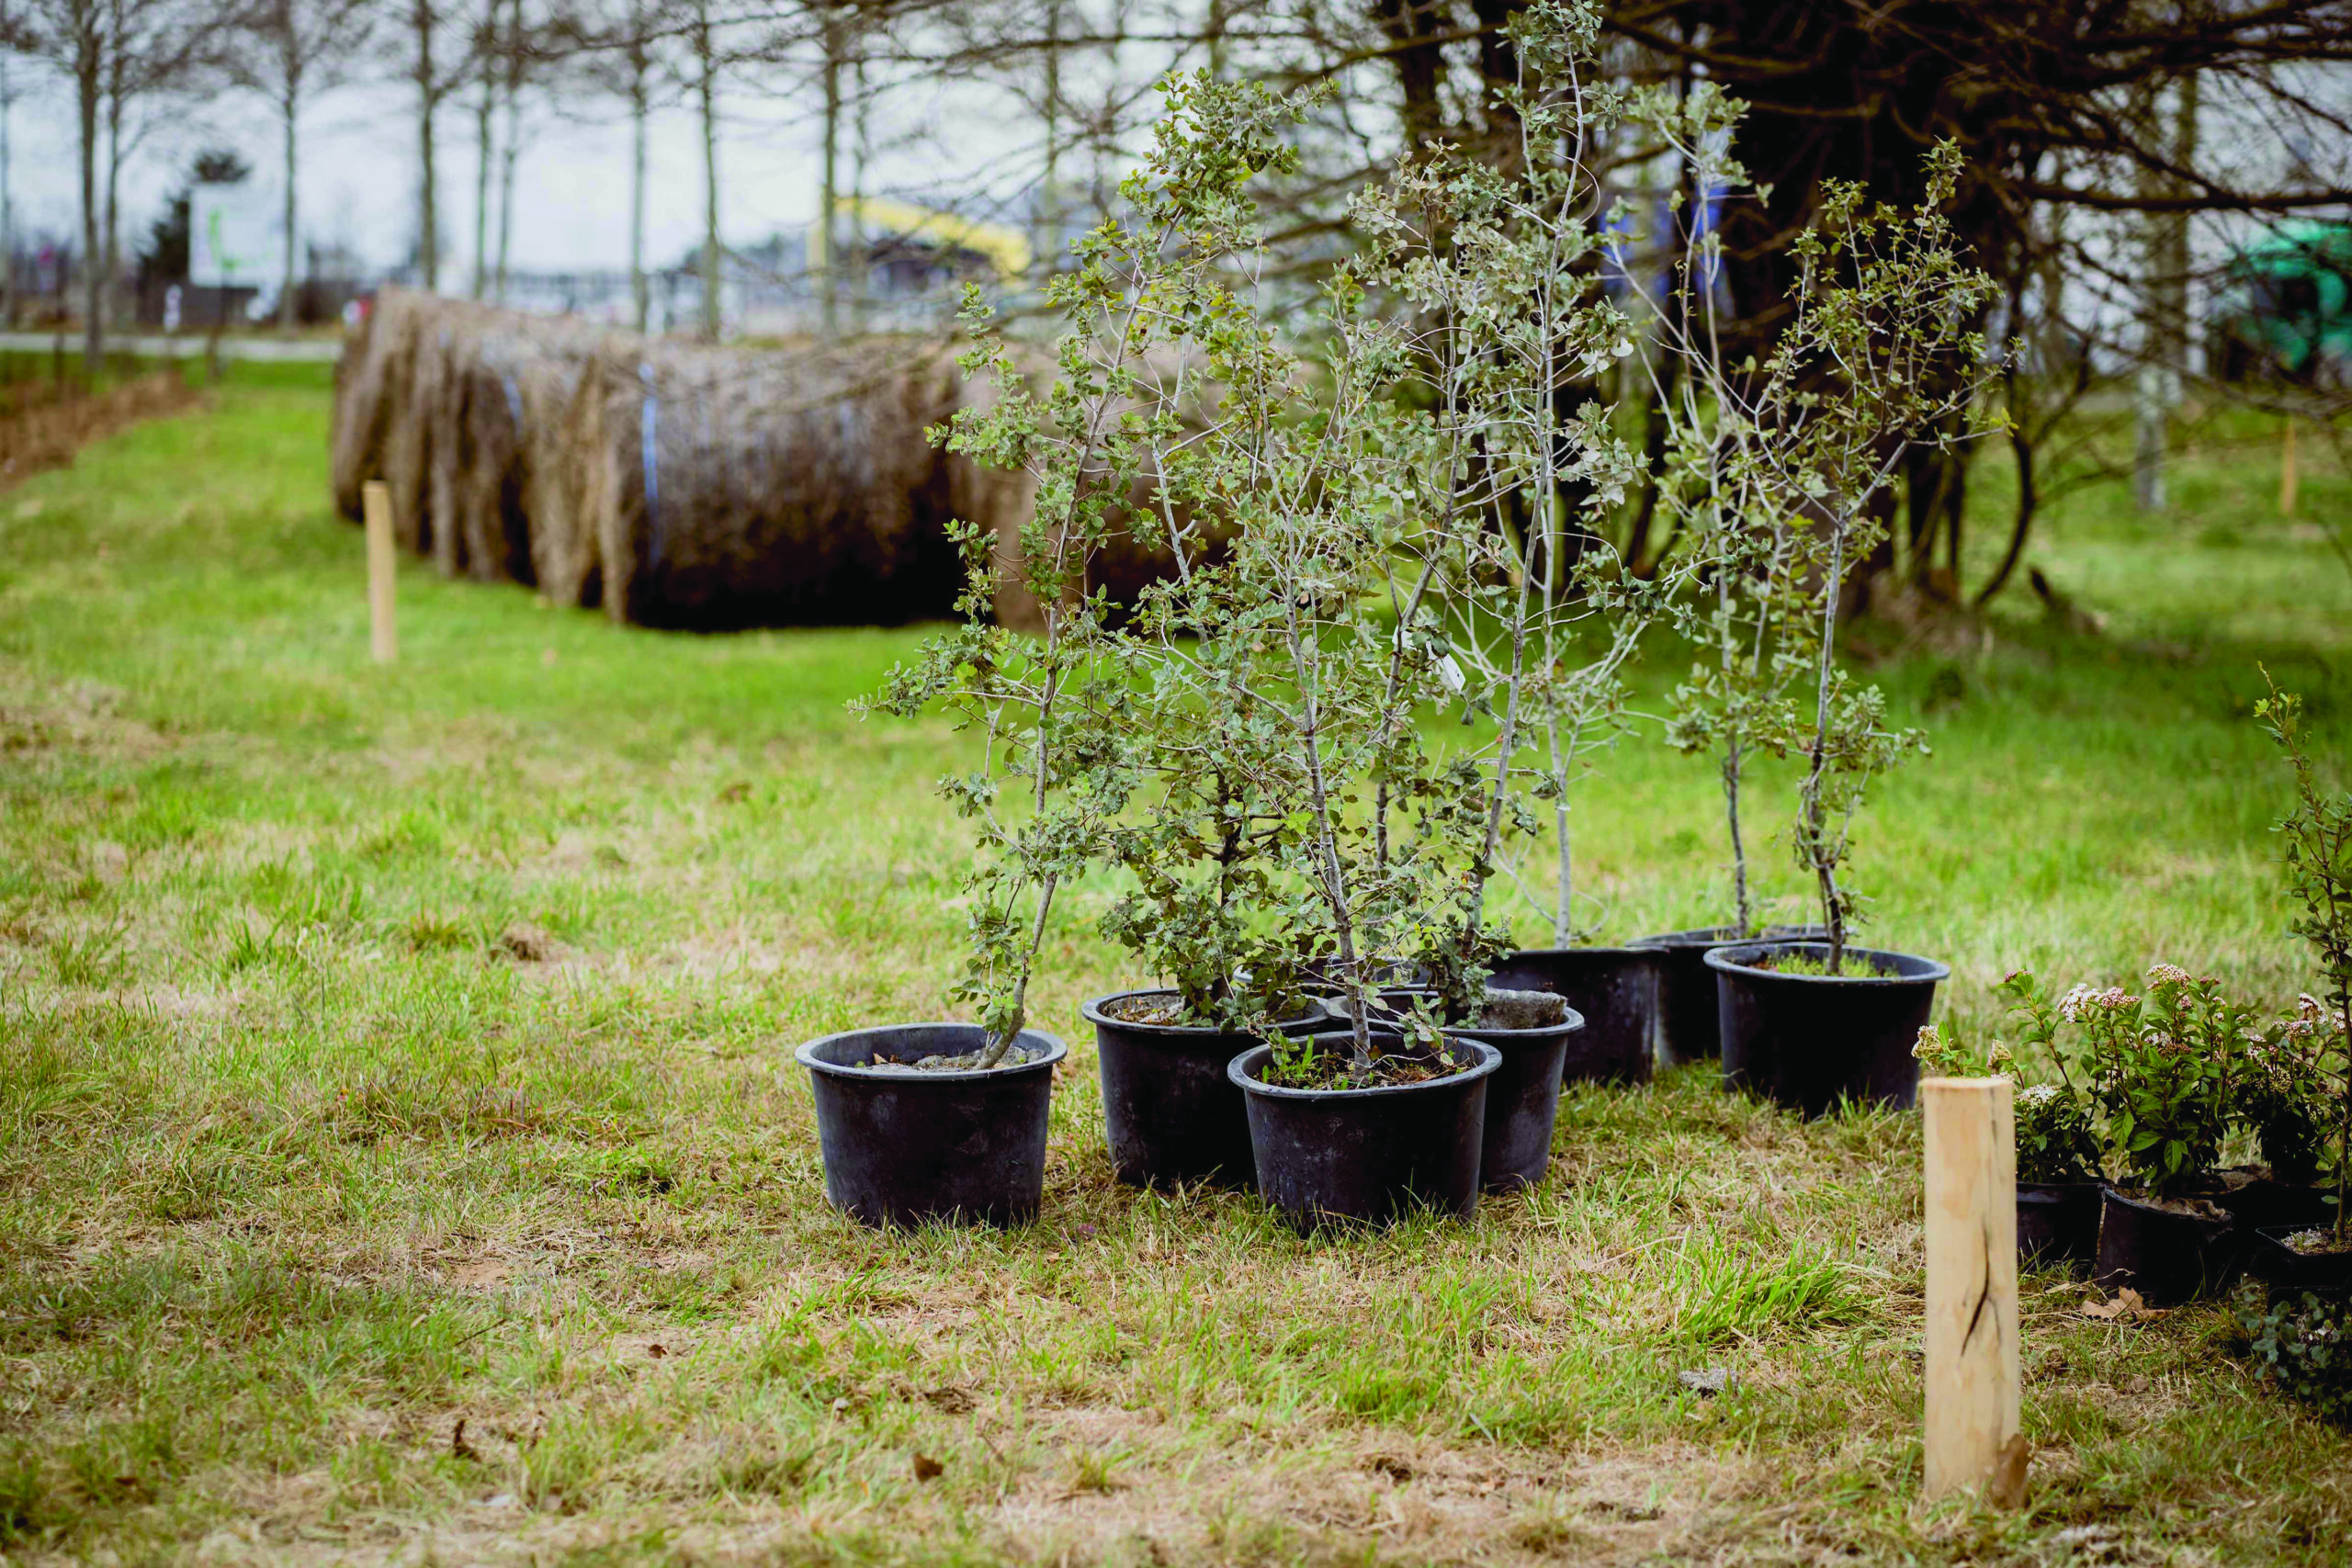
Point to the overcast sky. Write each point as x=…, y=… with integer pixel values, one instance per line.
x=360, y=170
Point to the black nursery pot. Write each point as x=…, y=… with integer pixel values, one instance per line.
x=1614, y=990
x=902, y=1147
x=2058, y=1221
x=1171, y=1114
x=1689, y=1028
x=1808, y=1041
x=1522, y=1100
x=2285, y=1270
x=2258, y=1202
x=1369, y=1155
x=2166, y=1256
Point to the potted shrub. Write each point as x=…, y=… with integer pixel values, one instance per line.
x=2059, y=1159
x=2299, y=1082
x=1877, y=358
x=2160, y=1071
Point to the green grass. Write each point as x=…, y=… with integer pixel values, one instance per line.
x=300, y=1167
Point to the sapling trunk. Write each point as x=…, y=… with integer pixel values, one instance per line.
x=1825, y=863
x=1745, y=915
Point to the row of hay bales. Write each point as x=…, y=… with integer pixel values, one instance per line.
x=674, y=485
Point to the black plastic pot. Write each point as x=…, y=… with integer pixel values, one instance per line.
x=902, y=1147
x=2285, y=1270
x=1522, y=1100
x=1171, y=1114
x=2166, y=1256
x=2058, y=1221
x=2257, y=1203
x=1688, y=1025
x=1369, y=1155
x=1524, y=1096
x=1614, y=990
x=1809, y=1040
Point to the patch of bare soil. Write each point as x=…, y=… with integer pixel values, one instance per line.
x=43, y=423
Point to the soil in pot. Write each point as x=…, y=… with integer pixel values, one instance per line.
x=909, y=1137
x=1688, y=1027
x=1533, y=1031
x=1171, y=1113
x=2169, y=1249
x=2057, y=1222
x=1809, y=1040
x=1371, y=1154
x=2303, y=1258
x=1614, y=990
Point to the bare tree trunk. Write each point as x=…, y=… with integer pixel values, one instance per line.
x=829, y=279
x=8, y=211
x=86, y=81
x=485, y=108
x=1049, y=197
x=508, y=154
x=638, y=300
x=107, y=263
x=707, y=53
x=287, y=106
x=429, y=226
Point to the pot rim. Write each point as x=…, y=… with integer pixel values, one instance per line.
x=1711, y=936
x=805, y=1055
x=1573, y=1022
x=1491, y=1058
x=1628, y=950
x=1735, y=956
x=1092, y=1012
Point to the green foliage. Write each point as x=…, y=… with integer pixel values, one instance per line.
x=2302, y=1348
x=2056, y=1130
x=2316, y=841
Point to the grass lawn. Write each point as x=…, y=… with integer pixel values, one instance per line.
x=401, y=1157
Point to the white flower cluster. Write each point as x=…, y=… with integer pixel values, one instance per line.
x=2082, y=999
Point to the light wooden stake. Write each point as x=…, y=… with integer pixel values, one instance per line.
x=376, y=500
x=2287, y=472
x=1972, y=1441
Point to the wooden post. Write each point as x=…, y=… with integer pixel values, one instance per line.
x=2287, y=472
x=383, y=639
x=1972, y=1441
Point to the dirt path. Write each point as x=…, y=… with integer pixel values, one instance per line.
x=43, y=423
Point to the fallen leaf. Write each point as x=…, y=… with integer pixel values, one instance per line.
x=459, y=1447
x=657, y=1351
x=927, y=1467
x=2126, y=1306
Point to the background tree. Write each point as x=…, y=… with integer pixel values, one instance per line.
x=288, y=52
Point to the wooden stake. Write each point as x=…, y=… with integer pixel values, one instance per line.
x=376, y=500
x=1972, y=1441
x=2287, y=472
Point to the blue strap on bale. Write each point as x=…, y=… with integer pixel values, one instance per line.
x=513, y=402
x=649, y=426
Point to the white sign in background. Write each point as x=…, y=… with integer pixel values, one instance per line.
x=234, y=237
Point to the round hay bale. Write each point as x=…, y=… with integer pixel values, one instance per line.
x=783, y=487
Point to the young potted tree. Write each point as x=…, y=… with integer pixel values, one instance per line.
x=1514, y=583
x=947, y=1120
x=1879, y=354
x=1719, y=488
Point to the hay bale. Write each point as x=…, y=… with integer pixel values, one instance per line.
x=780, y=487
x=371, y=394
